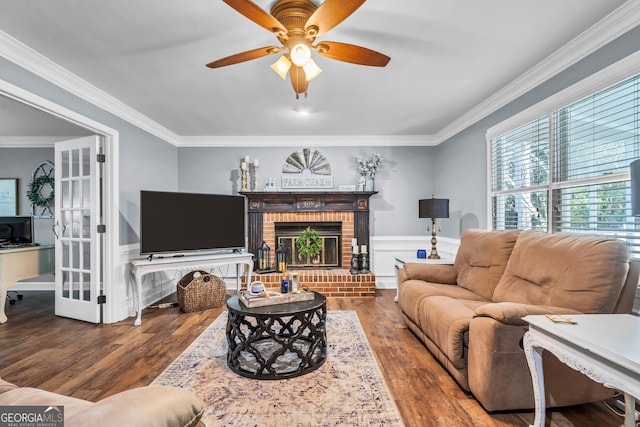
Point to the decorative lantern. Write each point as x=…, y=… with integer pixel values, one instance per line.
x=281, y=260
x=264, y=257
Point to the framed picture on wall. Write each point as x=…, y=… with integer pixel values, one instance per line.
x=8, y=196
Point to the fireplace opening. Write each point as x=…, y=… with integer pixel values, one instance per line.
x=330, y=233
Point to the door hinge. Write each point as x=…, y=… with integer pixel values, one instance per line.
x=101, y=158
x=102, y=299
x=102, y=228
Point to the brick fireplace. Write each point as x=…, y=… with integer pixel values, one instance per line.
x=349, y=210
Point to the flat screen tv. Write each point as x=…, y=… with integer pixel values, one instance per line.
x=178, y=223
x=16, y=229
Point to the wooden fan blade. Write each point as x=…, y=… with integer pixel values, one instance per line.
x=352, y=53
x=255, y=13
x=298, y=80
x=244, y=56
x=331, y=13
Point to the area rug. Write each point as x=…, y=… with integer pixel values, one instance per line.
x=347, y=390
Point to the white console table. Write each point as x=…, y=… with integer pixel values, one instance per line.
x=605, y=347
x=140, y=267
x=23, y=263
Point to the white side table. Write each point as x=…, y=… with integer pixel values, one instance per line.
x=140, y=267
x=402, y=260
x=604, y=347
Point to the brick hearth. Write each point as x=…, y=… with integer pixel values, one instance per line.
x=331, y=283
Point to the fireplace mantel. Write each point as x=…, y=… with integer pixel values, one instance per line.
x=261, y=202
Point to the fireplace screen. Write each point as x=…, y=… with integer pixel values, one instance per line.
x=331, y=234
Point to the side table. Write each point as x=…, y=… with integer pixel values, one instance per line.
x=605, y=347
x=277, y=341
x=402, y=260
x=143, y=266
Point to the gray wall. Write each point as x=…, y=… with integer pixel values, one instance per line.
x=407, y=174
x=146, y=162
x=461, y=162
x=19, y=163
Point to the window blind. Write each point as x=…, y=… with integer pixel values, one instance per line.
x=572, y=165
x=520, y=164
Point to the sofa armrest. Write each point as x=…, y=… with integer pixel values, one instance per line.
x=151, y=406
x=435, y=273
x=6, y=386
x=511, y=313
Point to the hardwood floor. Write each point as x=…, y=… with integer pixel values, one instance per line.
x=39, y=349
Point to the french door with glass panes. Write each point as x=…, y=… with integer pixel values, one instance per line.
x=78, y=277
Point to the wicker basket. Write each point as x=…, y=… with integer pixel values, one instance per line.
x=199, y=290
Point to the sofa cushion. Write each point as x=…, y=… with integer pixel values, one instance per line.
x=577, y=272
x=151, y=406
x=34, y=396
x=482, y=258
x=412, y=292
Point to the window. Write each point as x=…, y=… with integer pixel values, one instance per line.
x=567, y=170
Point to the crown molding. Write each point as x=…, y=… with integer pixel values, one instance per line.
x=612, y=26
x=607, y=29
x=614, y=73
x=38, y=64
x=316, y=141
x=30, y=141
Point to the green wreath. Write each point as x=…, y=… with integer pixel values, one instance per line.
x=309, y=243
x=35, y=190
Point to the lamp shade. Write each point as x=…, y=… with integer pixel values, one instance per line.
x=433, y=208
x=635, y=187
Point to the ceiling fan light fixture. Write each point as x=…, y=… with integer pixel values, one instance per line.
x=311, y=70
x=300, y=54
x=281, y=66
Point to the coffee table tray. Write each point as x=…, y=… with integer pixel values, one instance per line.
x=275, y=298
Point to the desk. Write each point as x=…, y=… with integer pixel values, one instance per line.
x=23, y=263
x=402, y=260
x=605, y=347
x=140, y=267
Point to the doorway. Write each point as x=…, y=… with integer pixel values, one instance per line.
x=110, y=141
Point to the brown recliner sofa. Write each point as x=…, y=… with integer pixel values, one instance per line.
x=150, y=406
x=469, y=315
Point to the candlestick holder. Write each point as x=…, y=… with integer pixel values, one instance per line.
x=354, y=264
x=364, y=263
x=255, y=177
x=244, y=177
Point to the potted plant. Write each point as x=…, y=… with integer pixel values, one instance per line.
x=309, y=244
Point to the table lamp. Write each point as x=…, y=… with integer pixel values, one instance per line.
x=433, y=208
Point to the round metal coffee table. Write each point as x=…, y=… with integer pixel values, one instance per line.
x=277, y=341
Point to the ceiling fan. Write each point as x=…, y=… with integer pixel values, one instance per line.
x=297, y=24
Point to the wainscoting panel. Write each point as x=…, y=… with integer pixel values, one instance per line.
x=385, y=249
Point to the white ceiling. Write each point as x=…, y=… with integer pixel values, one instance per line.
x=447, y=58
